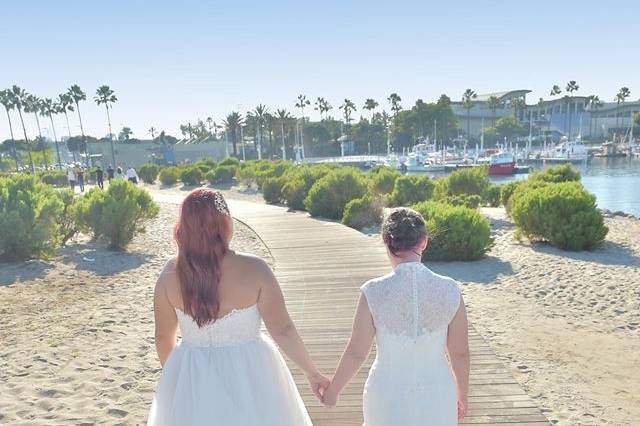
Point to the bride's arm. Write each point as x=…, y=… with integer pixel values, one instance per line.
x=458, y=349
x=166, y=321
x=282, y=329
x=355, y=353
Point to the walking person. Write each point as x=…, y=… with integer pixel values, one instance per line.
x=119, y=174
x=224, y=370
x=71, y=177
x=132, y=175
x=110, y=173
x=99, y=177
x=419, y=322
x=80, y=176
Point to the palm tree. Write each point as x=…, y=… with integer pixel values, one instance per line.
x=493, y=103
x=319, y=106
x=19, y=95
x=210, y=125
x=48, y=109
x=302, y=102
x=572, y=86
x=6, y=99
x=370, y=105
x=327, y=107
x=394, y=99
x=33, y=104
x=283, y=115
x=152, y=132
x=78, y=95
x=620, y=98
x=66, y=104
x=555, y=91
x=594, y=103
x=347, y=108
x=467, y=103
x=232, y=123
x=104, y=96
x=260, y=114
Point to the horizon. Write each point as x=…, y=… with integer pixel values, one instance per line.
x=169, y=65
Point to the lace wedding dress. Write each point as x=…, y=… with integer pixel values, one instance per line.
x=411, y=382
x=226, y=373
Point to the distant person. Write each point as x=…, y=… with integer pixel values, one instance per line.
x=110, y=173
x=80, y=176
x=119, y=174
x=99, y=177
x=71, y=177
x=132, y=175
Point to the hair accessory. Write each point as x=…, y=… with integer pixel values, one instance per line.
x=220, y=204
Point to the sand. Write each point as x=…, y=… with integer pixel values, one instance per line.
x=77, y=331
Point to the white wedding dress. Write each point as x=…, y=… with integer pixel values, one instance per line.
x=411, y=381
x=226, y=373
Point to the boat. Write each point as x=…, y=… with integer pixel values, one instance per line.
x=610, y=150
x=573, y=151
x=502, y=163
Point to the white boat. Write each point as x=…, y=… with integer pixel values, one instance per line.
x=572, y=151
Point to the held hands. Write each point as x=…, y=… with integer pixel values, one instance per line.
x=319, y=384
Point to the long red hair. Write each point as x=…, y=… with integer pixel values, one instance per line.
x=202, y=236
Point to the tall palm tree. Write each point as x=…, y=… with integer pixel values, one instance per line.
x=152, y=132
x=593, y=102
x=78, y=95
x=6, y=99
x=302, y=102
x=370, y=105
x=33, y=104
x=327, y=107
x=19, y=95
x=66, y=105
x=347, y=108
x=555, y=91
x=493, y=103
x=620, y=98
x=284, y=116
x=467, y=103
x=260, y=114
x=572, y=86
x=48, y=109
x=210, y=125
x=105, y=96
x=232, y=123
x=319, y=106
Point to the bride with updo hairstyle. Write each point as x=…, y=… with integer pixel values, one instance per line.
x=419, y=322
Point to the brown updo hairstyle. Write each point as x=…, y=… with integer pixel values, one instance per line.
x=402, y=229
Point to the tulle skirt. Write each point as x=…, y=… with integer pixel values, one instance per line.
x=245, y=384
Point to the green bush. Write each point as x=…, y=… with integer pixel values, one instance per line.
x=557, y=174
x=222, y=174
x=506, y=191
x=272, y=190
x=468, y=201
x=298, y=183
x=54, y=177
x=410, y=190
x=169, y=175
x=564, y=214
x=246, y=175
x=116, y=214
x=229, y=161
x=329, y=196
x=492, y=197
x=467, y=181
x=363, y=212
x=191, y=176
x=205, y=166
x=149, y=172
x=383, y=179
x=455, y=232
x=29, y=214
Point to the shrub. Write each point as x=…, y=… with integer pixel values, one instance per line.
x=191, y=176
x=29, y=212
x=56, y=178
x=246, y=175
x=229, y=161
x=272, y=190
x=328, y=196
x=492, y=196
x=169, y=175
x=66, y=220
x=506, y=191
x=205, y=166
x=383, y=179
x=468, y=201
x=455, y=232
x=564, y=214
x=363, y=212
x=468, y=181
x=149, y=173
x=298, y=183
x=222, y=174
x=116, y=214
x=410, y=190
x=557, y=174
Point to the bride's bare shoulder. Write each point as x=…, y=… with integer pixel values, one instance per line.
x=248, y=262
x=169, y=274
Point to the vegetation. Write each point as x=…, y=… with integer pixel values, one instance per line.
x=410, y=190
x=383, y=180
x=492, y=196
x=455, y=232
x=221, y=174
x=363, y=212
x=169, y=175
x=468, y=181
x=191, y=176
x=272, y=190
x=149, y=173
x=117, y=214
x=329, y=195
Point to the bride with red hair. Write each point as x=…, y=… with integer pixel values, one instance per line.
x=223, y=371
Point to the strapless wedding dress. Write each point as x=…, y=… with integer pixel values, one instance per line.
x=226, y=373
x=411, y=382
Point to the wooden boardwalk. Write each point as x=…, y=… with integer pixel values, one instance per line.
x=321, y=266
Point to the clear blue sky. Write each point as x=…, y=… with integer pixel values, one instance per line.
x=175, y=61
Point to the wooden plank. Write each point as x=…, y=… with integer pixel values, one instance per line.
x=321, y=266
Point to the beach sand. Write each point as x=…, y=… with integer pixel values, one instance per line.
x=77, y=331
